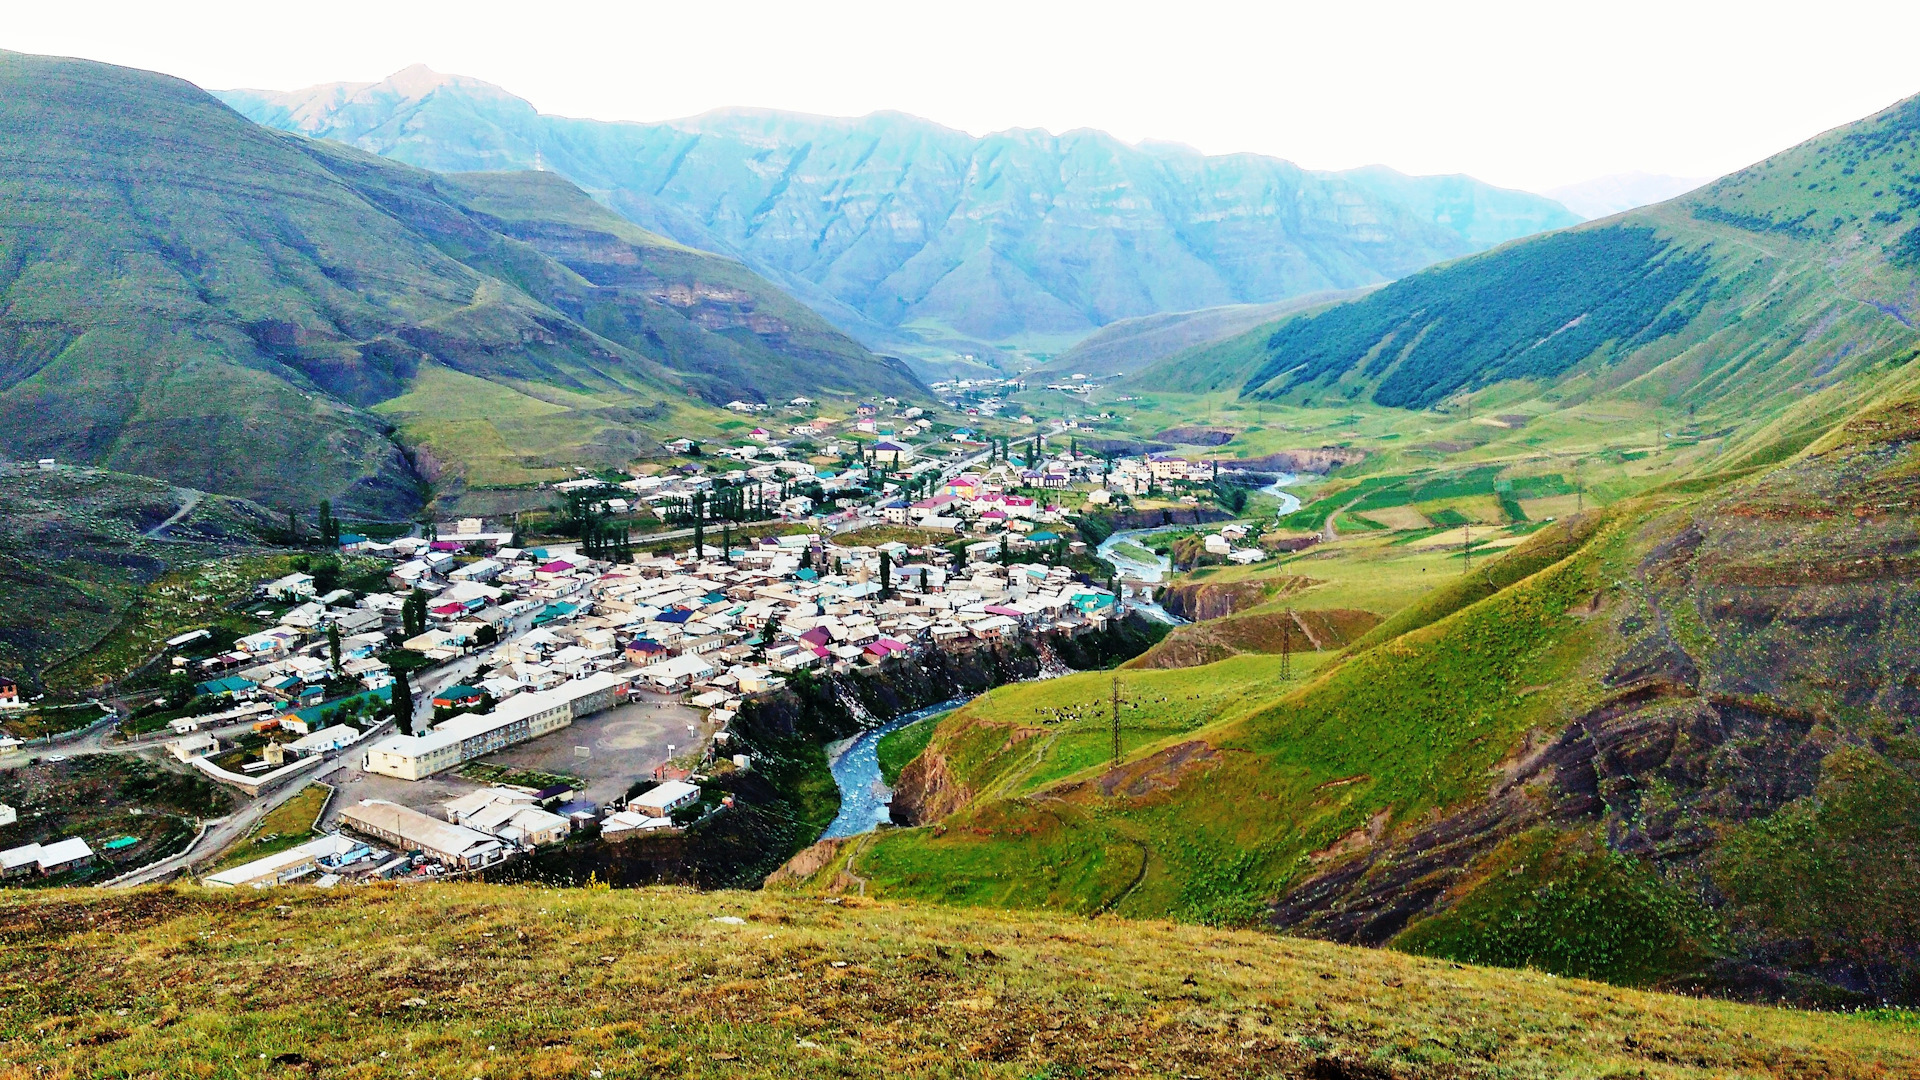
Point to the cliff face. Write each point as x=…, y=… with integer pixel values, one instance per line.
x=1747, y=754
x=888, y=220
x=1198, y=601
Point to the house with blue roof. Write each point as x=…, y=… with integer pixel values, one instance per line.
x=231, y=686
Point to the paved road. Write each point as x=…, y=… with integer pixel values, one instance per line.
x=224, y=831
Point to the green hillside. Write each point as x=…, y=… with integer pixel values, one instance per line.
x=932, y=240
x=1667, y=743
x=1128, y=346
x=460, y=980
x=186, y=295
x=81, y=553
x=1771, y=285
x=1210, y=365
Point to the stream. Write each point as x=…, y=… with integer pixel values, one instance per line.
x=864, y=797
x=1289, y=502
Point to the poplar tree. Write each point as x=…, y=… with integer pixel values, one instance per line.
x=402, y=703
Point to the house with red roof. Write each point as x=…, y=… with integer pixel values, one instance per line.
x=881, y=648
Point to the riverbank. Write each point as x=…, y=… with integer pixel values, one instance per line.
x=788, y=797
x=865, y=798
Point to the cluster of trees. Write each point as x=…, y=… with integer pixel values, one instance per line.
x=329, y=525
x=402, y=702
x=1231, y=497
x=603, y=540
x=726, y=502
x=1031, y=452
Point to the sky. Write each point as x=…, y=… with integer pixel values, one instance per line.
x=1526, y=95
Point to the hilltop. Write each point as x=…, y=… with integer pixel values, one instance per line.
x=462, y=980
x=78, y=550
x=909, y=233
x=187, y=295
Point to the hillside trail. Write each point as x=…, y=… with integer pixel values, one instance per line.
x=1328, y=534
x=189, y=499
x=1140, y=875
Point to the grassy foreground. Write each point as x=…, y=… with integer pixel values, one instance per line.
x=470, y=980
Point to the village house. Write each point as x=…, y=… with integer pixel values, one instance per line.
x=453, y=846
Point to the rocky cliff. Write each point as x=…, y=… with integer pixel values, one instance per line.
x=887, y=220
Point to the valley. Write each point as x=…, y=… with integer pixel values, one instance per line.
x=1129, y=610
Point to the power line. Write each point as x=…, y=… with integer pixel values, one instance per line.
x=1286, y=646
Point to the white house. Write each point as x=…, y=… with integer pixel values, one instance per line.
x=292, y=587
x=662, y=801
x=188, y=747
x=334, y=737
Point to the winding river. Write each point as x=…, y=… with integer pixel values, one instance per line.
x=864, y=797
x=1133, y=568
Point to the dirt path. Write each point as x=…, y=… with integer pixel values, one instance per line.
x=1328, y=534
x=189, y=499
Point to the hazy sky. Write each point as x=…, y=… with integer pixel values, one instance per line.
x=1528, y=95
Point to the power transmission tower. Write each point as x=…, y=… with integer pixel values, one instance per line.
x=1116, y=718
x=1286, y=647
x=1466, y=545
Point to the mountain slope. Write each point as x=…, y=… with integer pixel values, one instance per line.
x=1669, y=743
x=187, y=295
x=894, y=226
x=1132, y=345
x=409, y=982
x=1764, y=288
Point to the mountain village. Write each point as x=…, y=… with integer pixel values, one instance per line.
x=904, y=548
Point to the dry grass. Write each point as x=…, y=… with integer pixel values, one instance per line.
x=465, y=980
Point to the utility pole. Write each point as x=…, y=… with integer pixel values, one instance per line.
x=1116, y=718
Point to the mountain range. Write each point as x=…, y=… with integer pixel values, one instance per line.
x=1781, y=291
x=187, y=295
x=930, y=240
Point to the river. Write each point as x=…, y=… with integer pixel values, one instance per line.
x=1289, y=502
x=864, y=797
x=865, y=800
x=1132, y=567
